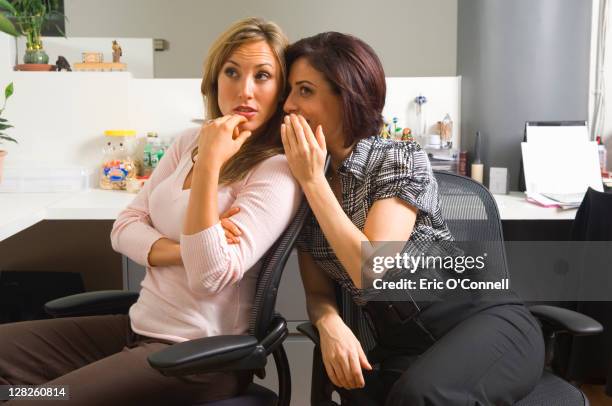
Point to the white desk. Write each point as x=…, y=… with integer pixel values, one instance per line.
x=513, y=206
x=19, y=211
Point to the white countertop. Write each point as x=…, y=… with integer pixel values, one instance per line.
x=19, y=211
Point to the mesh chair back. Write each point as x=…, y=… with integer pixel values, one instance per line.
x=468, y=208
x=270, y=274
x=471, y=214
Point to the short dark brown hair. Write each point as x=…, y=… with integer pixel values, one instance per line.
x=354, y=72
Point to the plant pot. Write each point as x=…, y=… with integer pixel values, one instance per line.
x=37, y=56
x=2, y=155
x=40, y=67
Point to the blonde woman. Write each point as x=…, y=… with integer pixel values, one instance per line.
x=197, y=284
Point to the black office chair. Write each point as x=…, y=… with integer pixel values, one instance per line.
x=267, y=330
x=472, y=215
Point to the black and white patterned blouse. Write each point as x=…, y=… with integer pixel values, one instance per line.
x=376, y=169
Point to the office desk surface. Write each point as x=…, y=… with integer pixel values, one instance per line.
x=513, y=206
x=19, y=211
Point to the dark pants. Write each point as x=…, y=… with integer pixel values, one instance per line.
x=494, y=357
x=103, y=362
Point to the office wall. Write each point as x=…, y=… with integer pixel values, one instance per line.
x=520, y=60
x=412, y=37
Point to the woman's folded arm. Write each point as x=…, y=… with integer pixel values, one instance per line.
x=133, y=234
x=268, y=201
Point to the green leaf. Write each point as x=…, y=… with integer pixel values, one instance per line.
x=8, y=91
x=5, y=5
x=7, y=138
x=7, y=26
x=3, y=120
x=5, y=126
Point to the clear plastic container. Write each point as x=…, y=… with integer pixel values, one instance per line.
x=118, y=161
x=45, y=180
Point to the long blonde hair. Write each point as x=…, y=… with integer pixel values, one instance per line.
x=267, y=143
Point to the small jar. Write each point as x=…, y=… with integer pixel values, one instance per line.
x=118, y=163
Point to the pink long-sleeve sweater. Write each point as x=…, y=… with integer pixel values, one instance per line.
x=213, y=292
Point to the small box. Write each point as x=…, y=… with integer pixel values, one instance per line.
x=498, y=181
x=92, y=57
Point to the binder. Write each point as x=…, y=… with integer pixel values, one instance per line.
x=522, y=186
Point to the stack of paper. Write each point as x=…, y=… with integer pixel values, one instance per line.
x=560, y=165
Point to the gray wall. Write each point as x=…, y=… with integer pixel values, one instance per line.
x=412, y=37
x=521, y=60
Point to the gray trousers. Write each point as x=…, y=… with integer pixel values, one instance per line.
x=494, y=357
x=103, y=362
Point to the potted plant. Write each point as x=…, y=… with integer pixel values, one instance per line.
x=4, y=125
x=27, y=17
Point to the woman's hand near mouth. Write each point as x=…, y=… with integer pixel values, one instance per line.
x=220, y=139
x=305, y=150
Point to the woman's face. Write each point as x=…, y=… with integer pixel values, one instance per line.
x=312, y=96
x=249, y=84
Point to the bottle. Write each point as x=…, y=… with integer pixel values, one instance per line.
x=146, y=158
x=155, y=152
x=161, y=150
x=477, y=168
x=148, y=150
x=603, y=156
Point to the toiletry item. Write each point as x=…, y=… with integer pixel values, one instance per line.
x=463, y=158
x=446, y=131
x=421, y=120
x=434, y=141
x=498, y=180
x=603, y=156
x=477, y=168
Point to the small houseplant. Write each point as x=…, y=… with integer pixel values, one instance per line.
x=27, y=17
x=4, y=125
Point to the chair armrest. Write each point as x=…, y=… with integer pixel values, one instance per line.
x=208, y=354
x=219, y=353
x=310, y=331
x=92, y=303
x=561, y=320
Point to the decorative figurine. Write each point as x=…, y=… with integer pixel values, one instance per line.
x=384, y=132
x=406, y=134
x=117, y=52
x=62, y=64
